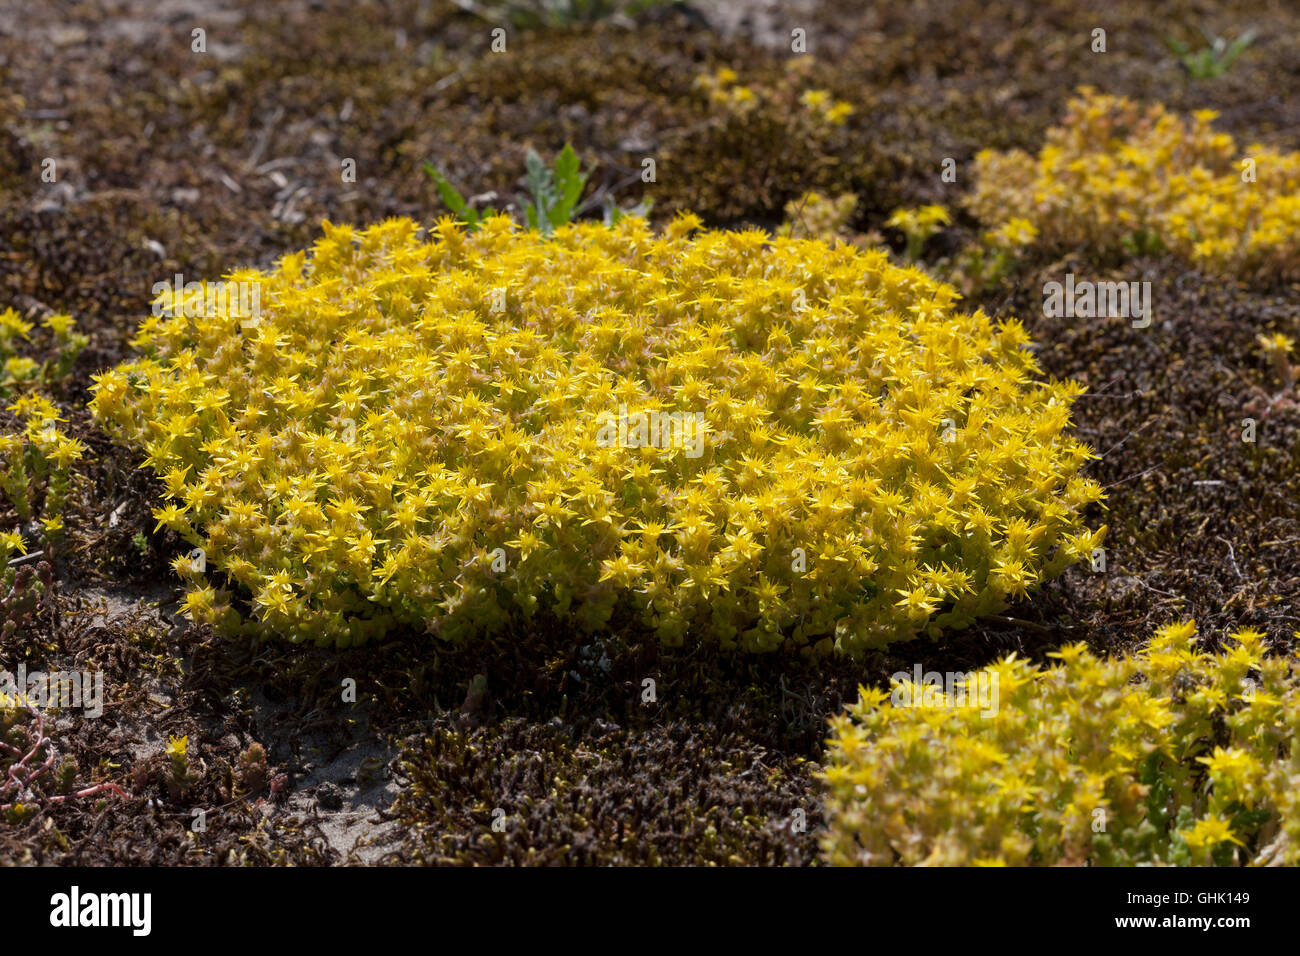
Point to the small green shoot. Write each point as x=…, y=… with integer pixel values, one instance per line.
x=455, y=201
x=1213, y=60
x=555, y=191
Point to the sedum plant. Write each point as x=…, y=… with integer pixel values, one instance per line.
x=767, y=443
x=747, y=140
x=23, y=589
x=33, y=776
x=814, y=216
x=37, y=458
x=724, y=90
x=918, y=226
x=1171, y=755
x=990, y=259
x=40, y=456
x=1116, y=177
x=60, y=340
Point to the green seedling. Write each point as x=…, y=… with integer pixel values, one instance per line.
x=455, y=201
x=1213, y=60
x=555, y=191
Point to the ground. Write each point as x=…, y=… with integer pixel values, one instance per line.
x=174, y=161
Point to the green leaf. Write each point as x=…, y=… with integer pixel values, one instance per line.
x=454, y=200
x=1237, y=47
x=570, y=181
x=1245, y=822
x=569, y=175
x=541, y=184
x=566, y=166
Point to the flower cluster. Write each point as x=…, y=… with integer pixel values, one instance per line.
x=1010, y=236
x=1118, y=176
x=724, y=89
x=985, y=263
x=438, y=433
x=1171, y=755
x=918, y=225
x=18, y=371
x=39, y=457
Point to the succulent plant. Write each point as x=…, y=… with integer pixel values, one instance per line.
x=765, y=442
x=1170, y=755
x=1116, y=176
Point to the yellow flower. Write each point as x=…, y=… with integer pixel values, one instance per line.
x=1209, y=832
x=1276, y=344
x=12, y=324
x=61, y=325
x=1233, y=767
x=839, y=112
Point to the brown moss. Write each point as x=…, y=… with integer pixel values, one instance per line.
x=538, y=794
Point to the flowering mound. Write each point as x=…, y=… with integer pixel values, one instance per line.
x=1116, y=175
x=766, y=442
x=1170, y=756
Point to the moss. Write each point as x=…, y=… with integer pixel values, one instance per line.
x=606, y=796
